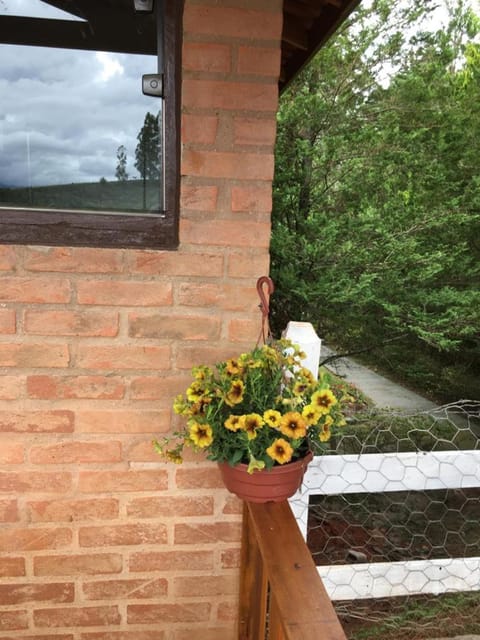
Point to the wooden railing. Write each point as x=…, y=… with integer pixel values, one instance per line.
x=282, y=596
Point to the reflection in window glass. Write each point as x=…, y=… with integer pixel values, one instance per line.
x=76, y=132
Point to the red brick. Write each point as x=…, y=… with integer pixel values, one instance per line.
x=252, y=199
x=259, y=61
x=192, y=478
x=37, y=422
x=12, y=567
x=123, y=635
x=123, y=357
x=125, y=589
x=230, y=558
x=227, y=611
x=199, y=130
x=207, y=532
x=206, y=56
x=8, y=512
x=168, y=613
x=158, y=388
x=143, y=451
x=176, y=561
x=168, y=507
x=244, y=329
x=12, y=620
x=72, y=452
x=34, y=539
x=61, y=636
x=8, y=258
x=187, y=586
x=171, y=263
x=212, y=633
x=255, y=131
x=77, y=617
x=125, y=293
x=222, y=164
x=77, y=565
x=189, y=356
x=121, y=481
x=28, y=355
x=228, y=297
x=230, y=96
x=248, y=264
x=11, y=387
x=233, y=22
x=26, y=481
x=199, y=198
x=46, y=387
x=7, y=321
x=72, y=510
x=147, y=325
x=24, y=592
x=11, y=452
x=233, y=506
x=78, y=259
x=71, y=323
x=123, y=421
x=124, y=534
x=226, y=233
x=40, y=290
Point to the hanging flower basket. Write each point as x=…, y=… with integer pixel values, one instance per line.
x=269, y=485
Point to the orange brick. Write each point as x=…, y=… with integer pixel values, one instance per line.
x=61, y=636
x=187, y=586
x=230, y=558
x=76, y=617
x=123, y=357
x=171, y=263
x=158, y=387
x=165, y=507
x=206, y=56
x=24, y=592
x=230, y=96
x=168, y=613
x=199, y=130
x=233, y=22
x=11, y=387
x=34, y=539
x=125, y=534
x=71, y=323
x=254, y=131
x=252, y=199
x=227, y=611
x=259, y=61
x=8, y=258
x=193, y=478
x=39, y=290
x=46, y=387
x=126, y=293
x=243, y=329
x=210, y=633
x=189, y=356
x=207, y=532
x=36, y=422
x=8, y=512
x=123, y=421
x=199, y=198
x=7, y=321
x=121, y=481
x=131, y=589
x=34, y=355
x=12, y=620
x=176, y=561
x=233, y=506
x=77, y=259
x=72, y=510
x=25, y=481
x=72, y=452
x=143, y=451
x=11, y=452
x=248, y=264
x=226, y=233
x=122, y=635
x=222, y=164
x=12, y=567
x=147, y=325
x=77, y=565
x=228, y=297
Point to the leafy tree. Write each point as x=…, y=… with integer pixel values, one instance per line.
x=121, y=170
x=147, y=152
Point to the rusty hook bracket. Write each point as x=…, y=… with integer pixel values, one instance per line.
x=264, y=304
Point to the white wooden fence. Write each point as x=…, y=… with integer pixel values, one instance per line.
x=386, y=472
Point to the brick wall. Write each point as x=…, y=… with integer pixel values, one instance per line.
x=99, y=540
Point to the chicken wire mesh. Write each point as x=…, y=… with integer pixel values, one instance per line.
x=391, y=514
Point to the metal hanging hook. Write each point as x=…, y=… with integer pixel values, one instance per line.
x=264, y=304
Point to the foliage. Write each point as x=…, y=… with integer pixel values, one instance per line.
x=121, y=170
x=262, y=408
x=376, y=214
x=147, y=156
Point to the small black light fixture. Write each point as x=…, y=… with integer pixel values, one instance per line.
x=143, y=6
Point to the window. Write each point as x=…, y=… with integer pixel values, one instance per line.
x=86, y=158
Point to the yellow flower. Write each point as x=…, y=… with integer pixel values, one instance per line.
x=280, y=451
x=234, y=423
x=299, y=388
x=272, y=418
x=325, y=433
x=233, y=367
x=174, y=457
x=323, y=400
x=179, y=406
x=293, y=425
x=235, y=393
x=252, y=422
x=255, y=464
x=195, y=391
x=201, y=434
x=311, y=414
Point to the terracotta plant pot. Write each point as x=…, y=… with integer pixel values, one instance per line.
x=274, y=485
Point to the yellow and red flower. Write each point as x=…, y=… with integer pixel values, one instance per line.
x=280, y=450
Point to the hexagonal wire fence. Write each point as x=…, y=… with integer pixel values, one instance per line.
x=391, y=514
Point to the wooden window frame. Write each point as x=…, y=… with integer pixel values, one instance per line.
x=92, y=229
